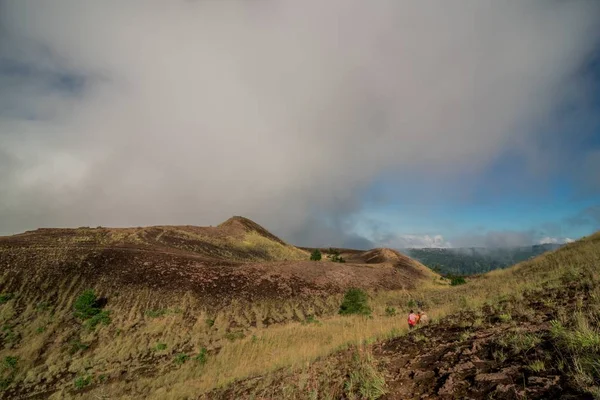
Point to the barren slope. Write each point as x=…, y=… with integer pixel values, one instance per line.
x=237, y=259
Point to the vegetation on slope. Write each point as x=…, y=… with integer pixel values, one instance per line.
x=531, y=331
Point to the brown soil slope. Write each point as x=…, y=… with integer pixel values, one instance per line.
x=237, y=259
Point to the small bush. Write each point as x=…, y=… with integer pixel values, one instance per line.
x=334, y=256
x=82, y=382
x=76, y=345
x=85, y=305
x=40, y=329
x=5, y=382
x=316, y=255
x=160, y=347
x=101, y=318
x=457, y=280
x=181, y=358
x=355, y=302
x=412, y=303
x=10, y=362
x=390, y=311
x=210, y=322
x=5, y=297
x=202, y=357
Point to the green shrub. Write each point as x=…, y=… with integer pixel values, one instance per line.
x=202, y=357
x=390, y=311
x=5, y=382
x=334, y=256
x=457, y=280
x=181, y=358
x=160, y=347
x=85, y=305
x=40, y=329
x=103, y=318
x=4, y=297
x=315, y=255
x=355, y=302
x=210, y=322
x=76, y=345
x=10, y=362
x=82, y=382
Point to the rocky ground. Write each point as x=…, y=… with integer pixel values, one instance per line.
x=503, y=351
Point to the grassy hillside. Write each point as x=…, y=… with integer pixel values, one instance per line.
x=531, y=331
x=175, y=310
x=527, y=331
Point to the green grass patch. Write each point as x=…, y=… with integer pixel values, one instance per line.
x=537, y=366
x=5, y=297
x=390, y=311
x=100, y=318
x=82, y=381
x=202, y=357
x=181, y=358
x=76, y=346
x=160, y=347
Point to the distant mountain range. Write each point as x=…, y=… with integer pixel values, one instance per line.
x=476, y=260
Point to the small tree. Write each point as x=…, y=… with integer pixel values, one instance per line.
x=334, y=256
x=355, y=301
x=85, y=305
x=457, y=280
x=316, y=255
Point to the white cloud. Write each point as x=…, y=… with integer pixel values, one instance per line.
x=417, y=241
x=555, y=240
x=195, y=111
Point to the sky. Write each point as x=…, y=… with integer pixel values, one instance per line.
x=342, y=123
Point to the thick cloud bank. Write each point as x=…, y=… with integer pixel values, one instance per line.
x=187, y=112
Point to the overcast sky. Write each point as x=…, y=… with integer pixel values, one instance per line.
x=334, y=123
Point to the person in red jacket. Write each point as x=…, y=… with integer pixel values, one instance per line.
x=412, y=319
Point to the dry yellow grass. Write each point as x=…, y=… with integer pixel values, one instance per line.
x=183, y=328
